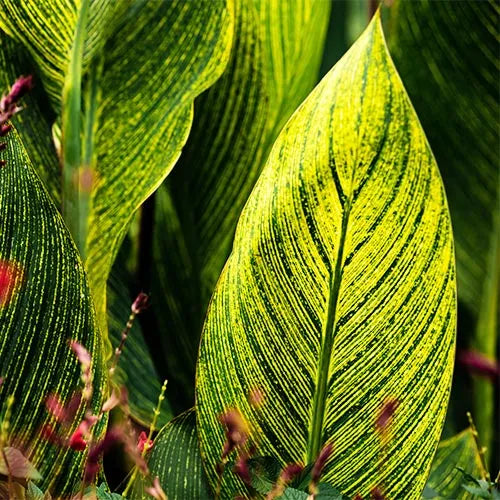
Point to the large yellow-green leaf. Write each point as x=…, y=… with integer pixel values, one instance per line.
x=445, y=479
x=175, y=460
x=153, y=71
x=274, y=64
x=34, y=123
x=46, y=304
x=339, y=293
x=447, y=54
x=47, y=30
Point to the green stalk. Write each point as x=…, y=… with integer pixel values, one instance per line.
x=71, y=133
x=485, y=342
x=87, y=174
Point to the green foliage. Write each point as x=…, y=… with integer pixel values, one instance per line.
x=47, y=304
x=175, y=458
x=272, y=68
x=299, y=258
x=305, y=308
x=447, y=55
x=445, y=480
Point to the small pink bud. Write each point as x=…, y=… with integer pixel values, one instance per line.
x=241, y=469
x=478, y=364
x=21, y=87
x=256, y=397
x=55, y=407
x=143, y=441
x=320, y=463
x=377, y=494
x=237, y=430
x=81, y=353
x=141, y=302
x=290, y=471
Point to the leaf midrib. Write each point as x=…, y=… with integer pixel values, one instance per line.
x=327, y=341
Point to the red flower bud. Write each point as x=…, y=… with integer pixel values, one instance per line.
x=76, y=441
x=141, y=302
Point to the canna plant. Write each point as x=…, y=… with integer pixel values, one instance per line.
x=224, y=275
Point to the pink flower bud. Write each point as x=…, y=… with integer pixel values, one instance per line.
x=140, y=303
x=143, y=441
x=478, y=364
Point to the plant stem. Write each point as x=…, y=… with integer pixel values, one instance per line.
x=485, y=343
x=156, y=412
x=71, y=132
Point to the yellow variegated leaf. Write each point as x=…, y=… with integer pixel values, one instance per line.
x=44, y=303
x=47, y=29
x=274, y=64
x=152, y=73
x=339, y=295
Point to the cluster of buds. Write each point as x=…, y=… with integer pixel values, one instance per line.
x=85, y=360
x=9, y=106
x=236, y=429
x=140, y=303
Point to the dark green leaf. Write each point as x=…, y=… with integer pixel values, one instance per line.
x=46, y=303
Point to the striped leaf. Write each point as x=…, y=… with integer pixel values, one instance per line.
x=140, y=77
x=47, y=30
x=445, y=479
x=44, y=302
x=274, y=64
x=152, y=73
x=175, y=460
x=338, y=300
x=34, y=123
x=434, y=45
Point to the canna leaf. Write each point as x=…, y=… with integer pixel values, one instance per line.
x=446, y=479
x=152, y=73
x=434, y=45
x=140, y=77
x=44, y=302
x=274, y=64
x=338, y=300
x=175, y=460
x=47, y=29
x=34, y=123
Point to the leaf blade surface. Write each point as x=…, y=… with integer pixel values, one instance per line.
x=339, y=293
